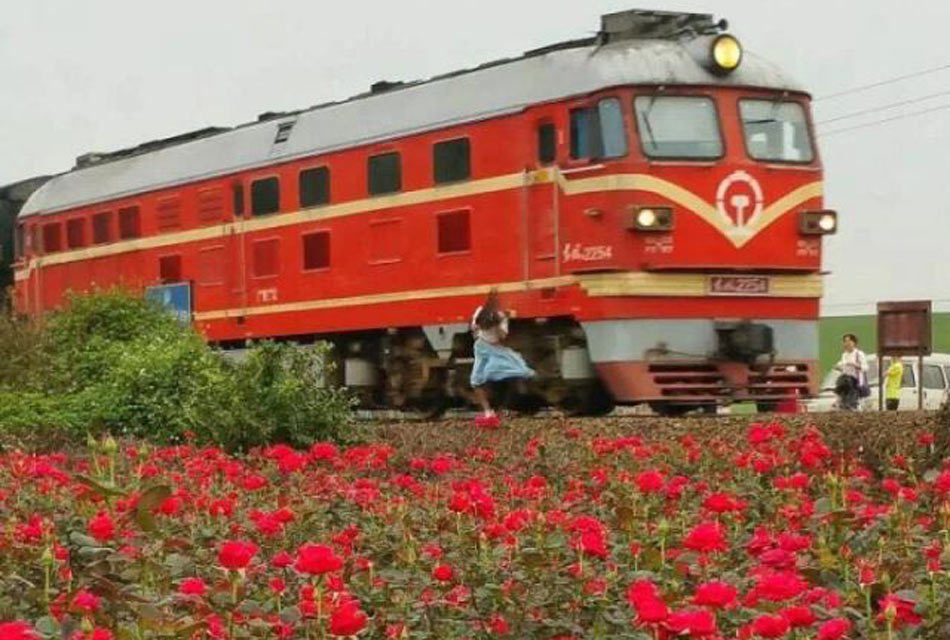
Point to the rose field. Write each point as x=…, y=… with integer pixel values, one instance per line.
x=613, y=528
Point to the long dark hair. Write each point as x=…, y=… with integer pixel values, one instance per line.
x=489, y=315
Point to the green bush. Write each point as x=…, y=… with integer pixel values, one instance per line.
x=118, y=363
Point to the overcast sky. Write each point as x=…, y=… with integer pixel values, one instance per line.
x=106, y=74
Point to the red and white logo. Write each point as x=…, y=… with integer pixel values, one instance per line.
x=739, y=200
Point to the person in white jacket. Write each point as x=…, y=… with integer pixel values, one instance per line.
x=853, y=367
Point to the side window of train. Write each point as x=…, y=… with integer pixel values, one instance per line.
x=52, y=238
x=169, y=268
x=384, y=174
x=265, y=196
x=598, y=131
x=76, y=233
x=314, y=187
x=237, y=197
x=547, y=143
x=130, y=225
x=316, y=250
x=102, y=227
x=451, y=161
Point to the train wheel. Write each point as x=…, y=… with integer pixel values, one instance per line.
x=671, y=409
x=765, y=406
x=590, y=400
x=431, y=406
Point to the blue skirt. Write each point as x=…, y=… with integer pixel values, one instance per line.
x=494, y=362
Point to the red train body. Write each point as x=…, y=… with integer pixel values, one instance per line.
x=655, y=221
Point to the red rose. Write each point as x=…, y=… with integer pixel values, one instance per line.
x=17, y=630
x=85, y=601
x=317, y=559
x=768, y=626
x=695, y=624
x=443, y=573
x=716, y=594
x=192, y=587
x=706, y=537
x=649, y=481
x=833, y=629
x=800, y=616
x=347, y=620
x=102, y=528
x=779, y=586
x=899, y=610
x=236, y=554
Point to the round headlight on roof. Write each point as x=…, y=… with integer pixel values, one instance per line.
x=726, y=53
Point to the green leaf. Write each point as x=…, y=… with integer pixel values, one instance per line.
x=103, y=488
x=47, y=625
x=150, y=500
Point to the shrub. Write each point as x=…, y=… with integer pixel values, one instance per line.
x=120, y=363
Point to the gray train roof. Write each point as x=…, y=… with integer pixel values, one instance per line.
x=491, y=90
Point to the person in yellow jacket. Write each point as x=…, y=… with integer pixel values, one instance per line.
x=892, y=384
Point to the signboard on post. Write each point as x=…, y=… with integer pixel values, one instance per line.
x=904, y=329
x=176, y=298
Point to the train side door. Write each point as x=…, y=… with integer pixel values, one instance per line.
x=542, y=201
x=236, y=248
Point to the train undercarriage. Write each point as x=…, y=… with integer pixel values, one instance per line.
x=426, y=370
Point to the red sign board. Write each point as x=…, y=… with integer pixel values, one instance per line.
x=738, y=285
x=904, y=328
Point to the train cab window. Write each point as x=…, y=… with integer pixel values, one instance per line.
x=454, y=232
x=316, y=250
x=547, y=143
x=102, y=227
x=169, y=269
x=598, y=132
x=451, y=161
x=265, y=196
x=384, y=174
x=678, y=127
x=314, y=187
x=76, y=233
x=775, y=131
x=129, y=223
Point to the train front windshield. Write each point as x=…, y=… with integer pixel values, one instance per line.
x=678, y=127
x=776, y=131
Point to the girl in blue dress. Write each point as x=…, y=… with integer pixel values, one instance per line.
x=493, y=360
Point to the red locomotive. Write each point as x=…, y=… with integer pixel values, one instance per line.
x=649, y=200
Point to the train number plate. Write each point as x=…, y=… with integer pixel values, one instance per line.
x=738, y=286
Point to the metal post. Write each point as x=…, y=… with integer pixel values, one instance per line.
x=880, y=380
x=920, y=381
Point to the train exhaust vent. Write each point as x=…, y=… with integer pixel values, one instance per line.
x=638, y=24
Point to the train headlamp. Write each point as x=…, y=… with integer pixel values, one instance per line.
x=726, y=53
x=818, y=223
x=651, y=219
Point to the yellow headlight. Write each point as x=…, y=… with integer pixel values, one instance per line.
x=828, y=222
x=646, y=218
x=726, y=52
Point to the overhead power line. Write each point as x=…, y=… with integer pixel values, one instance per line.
x=885, y=107
x=882, y=83
x=876, y=123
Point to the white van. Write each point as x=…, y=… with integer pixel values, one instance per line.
x=936, y=379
